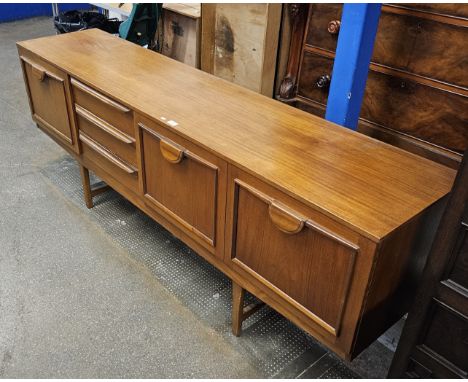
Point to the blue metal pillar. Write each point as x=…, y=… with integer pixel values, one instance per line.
x=353, y=53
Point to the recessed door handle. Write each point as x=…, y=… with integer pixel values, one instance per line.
x=285, y=219
x=172, y=152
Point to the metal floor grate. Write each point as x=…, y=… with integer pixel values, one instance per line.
x=269, y=339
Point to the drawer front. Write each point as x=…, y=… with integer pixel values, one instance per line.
x=105, y=108
x=183, y=182
x=433, y=115
x=445, y=338
x=123, y=172
x=459, y=270
x=318, y=34
x=448, y=9
x=416, y=45
x=299, y=259
x=48, y=98
x=118, y=143
x=313, y=67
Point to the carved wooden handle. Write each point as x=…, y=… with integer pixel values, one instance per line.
x=172, y=152
x=334, y=26
x=39, y=72
x=106, y=154
x=285, y=219
x=103, y=125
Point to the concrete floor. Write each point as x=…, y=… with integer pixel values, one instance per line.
x=75, y=300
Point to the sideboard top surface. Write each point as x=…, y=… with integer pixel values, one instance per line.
x=369, y=185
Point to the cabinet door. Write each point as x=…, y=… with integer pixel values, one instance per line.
x=295, y=257
x=183, y=182
x=48, y=99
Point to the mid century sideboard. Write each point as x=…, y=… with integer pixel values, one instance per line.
x=328, y=226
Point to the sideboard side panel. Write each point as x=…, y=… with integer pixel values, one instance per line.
x=399, y=264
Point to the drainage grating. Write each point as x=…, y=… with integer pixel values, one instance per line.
x=270, y=340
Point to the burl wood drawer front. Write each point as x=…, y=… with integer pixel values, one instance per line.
x=183, y=182
x=125, y=173
x=120, y=144
x=428, y=113
x=46, y=86
x=104, y=107
x=305, y=263
x=425, y=47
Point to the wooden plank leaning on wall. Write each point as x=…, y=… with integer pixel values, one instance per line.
x=240, y=43
x=181, y=37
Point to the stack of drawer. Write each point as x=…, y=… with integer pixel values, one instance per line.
x=417, y=89
x=105, y=129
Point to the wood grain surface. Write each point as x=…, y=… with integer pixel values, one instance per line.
x=342, y=173
x=417, y=89
x=425, y=112
x=404, y=42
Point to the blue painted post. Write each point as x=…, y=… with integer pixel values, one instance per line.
x=353, y=53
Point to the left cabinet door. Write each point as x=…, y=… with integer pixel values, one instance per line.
x=48, y=92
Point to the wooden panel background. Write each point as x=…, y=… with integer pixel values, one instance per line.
x=239, y=43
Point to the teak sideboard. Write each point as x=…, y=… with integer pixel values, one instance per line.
x=329, y=227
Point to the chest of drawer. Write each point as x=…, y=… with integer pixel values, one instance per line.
x=118, y=143
x=444, y=341
x=404, y=41
x=433, y=115
x=183, y=182
x=101, y=106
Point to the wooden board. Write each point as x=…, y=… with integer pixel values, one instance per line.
x=189, y=10
x=240, y=42
x=181, y=34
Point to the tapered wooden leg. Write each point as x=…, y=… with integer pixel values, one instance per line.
x=87, y=190
x=239, y=312
x=238, y=294
x=88, y=197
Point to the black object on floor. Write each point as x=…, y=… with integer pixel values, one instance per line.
x=72, y=21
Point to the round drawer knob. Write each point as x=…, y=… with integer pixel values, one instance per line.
x=334, y=26
x=323, y=82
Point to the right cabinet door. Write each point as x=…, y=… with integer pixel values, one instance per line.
x=295, y=257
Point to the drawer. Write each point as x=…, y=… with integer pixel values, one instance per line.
x=449, y=9
x=459, y=270
x=430, y=114
x=184, y=183
x=405, y=42
x=105, y=108
x=124, y=172
x=446, y=337
x=321, y=15
x=48, y=89
x=120, y=144
x=283, y=246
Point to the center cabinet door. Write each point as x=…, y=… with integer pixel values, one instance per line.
x=184, y=183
